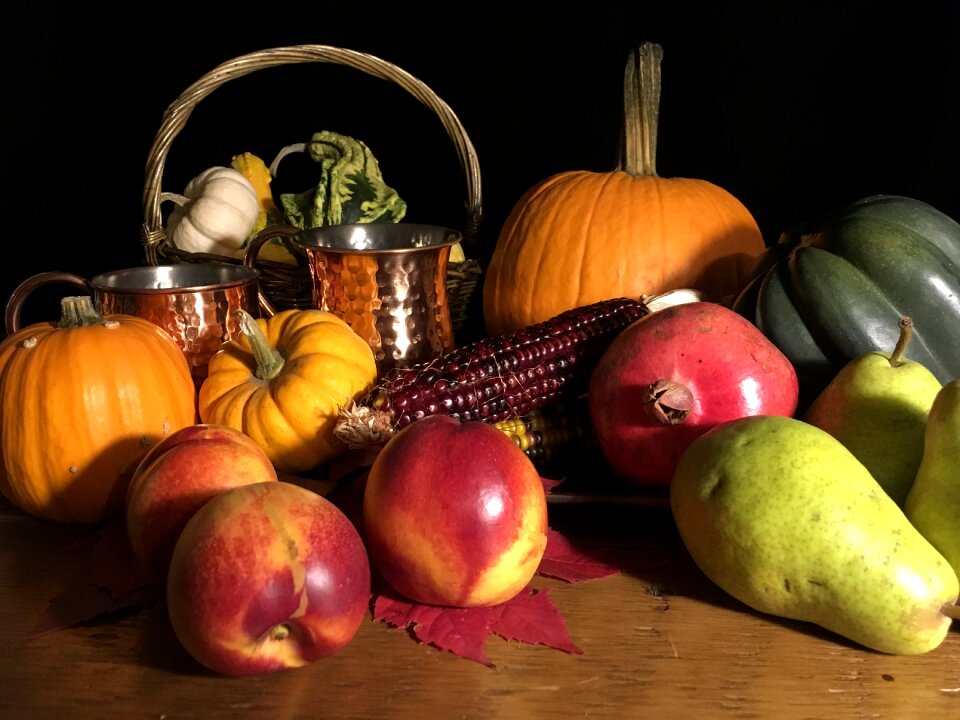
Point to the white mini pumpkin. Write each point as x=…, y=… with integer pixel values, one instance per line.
x=215, y=214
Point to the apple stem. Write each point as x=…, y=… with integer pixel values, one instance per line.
x=671, y=402
x=269, y=361
x=951, y=611
x=906, y=333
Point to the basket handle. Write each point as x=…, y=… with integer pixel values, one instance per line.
x=153, y=234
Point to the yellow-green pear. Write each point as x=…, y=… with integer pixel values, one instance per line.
x=933, y=505
x=877, y=406
x=783, y=517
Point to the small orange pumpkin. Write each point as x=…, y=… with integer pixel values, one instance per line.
x=284, y=382
x=579, y=237
x=81, y=402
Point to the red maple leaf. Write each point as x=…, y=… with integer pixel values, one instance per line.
x=563, y=561
x=529, y=617
x=548, y=484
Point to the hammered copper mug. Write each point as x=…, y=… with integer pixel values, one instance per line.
x=387, y=281
x=195, y=303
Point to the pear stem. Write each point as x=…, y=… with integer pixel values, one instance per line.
x=906, y=333
x=951, y=611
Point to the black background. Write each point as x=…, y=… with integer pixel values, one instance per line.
x=794, y=107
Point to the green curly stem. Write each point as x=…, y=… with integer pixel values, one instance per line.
x=269, y=361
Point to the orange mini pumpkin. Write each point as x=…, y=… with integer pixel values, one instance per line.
x=81, y=402
x=579, y=237
x=284, y=382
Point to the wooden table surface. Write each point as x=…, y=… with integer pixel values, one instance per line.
x=658, y=641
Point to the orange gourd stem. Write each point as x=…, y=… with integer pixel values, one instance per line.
x=641, y=111
x=269, y=361
x=78, y=311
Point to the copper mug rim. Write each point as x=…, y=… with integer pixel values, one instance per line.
x=117, y=282
x=377, y=238
x=329, y=239
x=166, y=279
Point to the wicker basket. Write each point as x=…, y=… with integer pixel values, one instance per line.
x=287, y=285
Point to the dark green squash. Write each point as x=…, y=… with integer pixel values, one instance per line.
x=832, y=292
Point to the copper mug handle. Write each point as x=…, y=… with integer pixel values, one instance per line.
x=11, y=316
x=250, y=258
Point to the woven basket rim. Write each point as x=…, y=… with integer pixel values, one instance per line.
x=157, y=246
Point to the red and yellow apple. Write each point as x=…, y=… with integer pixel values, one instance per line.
x=454, y=514
x=265, y=577
x=177, y=477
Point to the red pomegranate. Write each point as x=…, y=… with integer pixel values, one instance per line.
x=676, y=373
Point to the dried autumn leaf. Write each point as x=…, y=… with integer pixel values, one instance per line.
x=548, y=484
x=459, y=630
x=562, y=560
x=529, y=617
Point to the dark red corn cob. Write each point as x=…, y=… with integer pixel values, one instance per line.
x=495, y=378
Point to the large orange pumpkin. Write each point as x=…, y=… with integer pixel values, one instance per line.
x=81, y=402
x=579, y=237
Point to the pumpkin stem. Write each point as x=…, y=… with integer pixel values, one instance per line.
x=906, y=333
x=269, y=361
x=78, y=311
x=641, y=110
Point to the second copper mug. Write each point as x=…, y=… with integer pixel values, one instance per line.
x=388, y=281
x=194, y=302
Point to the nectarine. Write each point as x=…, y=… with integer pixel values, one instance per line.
x=177, y=476
x=454, y=514
x=265, y=577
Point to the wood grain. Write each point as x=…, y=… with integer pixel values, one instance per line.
x=658, y=640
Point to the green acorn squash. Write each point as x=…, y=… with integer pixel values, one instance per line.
x=829, y=293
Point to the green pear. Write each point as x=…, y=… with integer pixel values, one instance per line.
x=877, y=406
x=783, y=517
x=933, y=505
